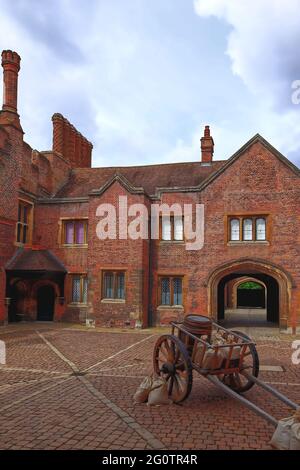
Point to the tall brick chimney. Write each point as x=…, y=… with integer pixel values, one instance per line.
x=207, y=146
x=11, y=66
x=70, y=144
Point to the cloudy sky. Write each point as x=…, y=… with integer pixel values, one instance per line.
x=141, y=78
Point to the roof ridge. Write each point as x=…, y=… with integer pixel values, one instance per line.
x=144, y=166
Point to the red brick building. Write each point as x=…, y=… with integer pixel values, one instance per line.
x=53, y=265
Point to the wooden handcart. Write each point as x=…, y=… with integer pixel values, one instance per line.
x=232, y=366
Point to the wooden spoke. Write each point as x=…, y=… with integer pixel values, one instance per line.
x=171, y=361
x=251, y=362
x=169, y=351
x=171, y=383
x=164, y=352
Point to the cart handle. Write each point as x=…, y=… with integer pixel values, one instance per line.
x=271, y=390
x=243, y=400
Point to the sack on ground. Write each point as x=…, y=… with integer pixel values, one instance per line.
x=295, y=437
x=159, y=392
x=141, y=395
x=282, y=436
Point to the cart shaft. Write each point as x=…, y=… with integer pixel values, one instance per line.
x=243, y=400
x=271, y=390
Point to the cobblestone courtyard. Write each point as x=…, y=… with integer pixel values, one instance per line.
x=69, y=388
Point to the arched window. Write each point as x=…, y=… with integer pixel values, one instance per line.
x=247, y=229
x=166, y=228
x=178, y=228
x=172, y=228
x=234, y=230
x=260, y=229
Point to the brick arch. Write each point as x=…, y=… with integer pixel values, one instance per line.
x=19, y=284
x=45, y=282
x=240, y=281
x=251, y=267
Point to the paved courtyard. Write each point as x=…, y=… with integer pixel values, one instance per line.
x=69, y=388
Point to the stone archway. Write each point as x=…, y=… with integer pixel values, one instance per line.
x=243, y=280
x=26, y=298
x=278, y=282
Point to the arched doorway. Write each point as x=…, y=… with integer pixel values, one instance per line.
x=45, y=303
x=251, y=294
x=277, y=282
x=18, y=293
x=255, y=302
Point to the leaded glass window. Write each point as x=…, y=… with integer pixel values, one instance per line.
x=79, y=289
x=260, y=229
x=165, y=291
x=113, y=285
x=234, y=229
x=171, y=290
x=247, y=229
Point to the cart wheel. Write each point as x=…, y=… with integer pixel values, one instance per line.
x=171, y=361
x=238, y=382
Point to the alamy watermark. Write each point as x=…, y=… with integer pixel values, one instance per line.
x=296, y=93
x=2, y=353
x=137, y=221
x=296, y=353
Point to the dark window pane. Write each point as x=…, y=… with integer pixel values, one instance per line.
x=19, y=232
x=108, y=286
x=165, y=291
x=25, y=214
x=25, y=229
x=177, y=290
x=120, y=286
x=19, y=213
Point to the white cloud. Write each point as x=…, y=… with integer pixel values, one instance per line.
x=263, y=42
x=263, y=46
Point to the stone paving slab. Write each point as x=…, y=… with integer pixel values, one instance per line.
x=45, y=402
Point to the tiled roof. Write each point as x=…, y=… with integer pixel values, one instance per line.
x=26, y=259
x=184, y=175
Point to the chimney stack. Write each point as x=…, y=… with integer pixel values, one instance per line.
x=207, y=146
x=11, y=66
x=70, y=144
